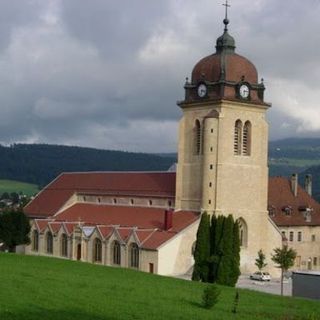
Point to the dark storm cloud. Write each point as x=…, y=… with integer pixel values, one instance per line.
x=107, y=73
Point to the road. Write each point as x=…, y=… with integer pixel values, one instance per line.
x=272, y=286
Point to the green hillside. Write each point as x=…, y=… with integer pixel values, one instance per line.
x=16, y=186
x=40, y=163
x=41, y=288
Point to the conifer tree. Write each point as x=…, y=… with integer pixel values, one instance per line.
x=235, y=255
x=202, y=250
x=216, y=244
x=225, y=270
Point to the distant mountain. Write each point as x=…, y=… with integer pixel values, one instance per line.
x=40, y=163
x=293, y=155
x=315, y=172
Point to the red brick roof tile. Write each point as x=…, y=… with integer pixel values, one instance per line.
x=56, y=194
x=141, y=217
x=280, y=196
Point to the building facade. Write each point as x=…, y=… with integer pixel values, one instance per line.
x=122, y=219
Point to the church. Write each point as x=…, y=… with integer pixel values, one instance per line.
x=148, y=220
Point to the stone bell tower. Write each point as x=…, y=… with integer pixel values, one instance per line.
x=223, y=140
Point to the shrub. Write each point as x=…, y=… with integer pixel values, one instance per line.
x=210, y=296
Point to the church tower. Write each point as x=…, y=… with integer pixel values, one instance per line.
x=223, y=140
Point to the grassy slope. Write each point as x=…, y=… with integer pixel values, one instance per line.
x=43, y=288
x=16, y=186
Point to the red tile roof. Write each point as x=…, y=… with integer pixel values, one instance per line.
x=41, y=224
x=141, y=217
x=56, y=194
x=281, y=196
x=55, y=226
x=105, y=231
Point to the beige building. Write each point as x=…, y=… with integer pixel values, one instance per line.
x=297, y=215
x=124, y=218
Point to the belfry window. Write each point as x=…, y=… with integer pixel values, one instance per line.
x=49, y=242
x=237, y=137
x=134, y=255
x=197, y=137
x=97, y=250
x=246, y=139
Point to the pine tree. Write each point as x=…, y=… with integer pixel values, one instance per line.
x=225, y=270
x=216, y=244
x=235, y=255
x=202, y=250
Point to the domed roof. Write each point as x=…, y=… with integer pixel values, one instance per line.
x=225, y=64
x=231, y=67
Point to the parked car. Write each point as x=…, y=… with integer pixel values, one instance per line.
x=261, y=276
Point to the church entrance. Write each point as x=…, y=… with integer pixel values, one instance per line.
x=79, y=252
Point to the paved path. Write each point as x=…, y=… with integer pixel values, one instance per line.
x=272, y=286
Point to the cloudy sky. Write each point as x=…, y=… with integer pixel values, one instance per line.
x=107, y=74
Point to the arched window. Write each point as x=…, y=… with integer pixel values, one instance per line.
x=237, y=137
x=193, y=248
x=49, y=242
x=64, y=245
x=243, y=232
x=134, y=255
x=35, y=240
x=246, y=140
x=97, y=250
x=197, y=137
x=116, y=253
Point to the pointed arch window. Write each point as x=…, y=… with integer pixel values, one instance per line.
x=35, y=240
x=246, y=140
x=197, y=137
x=116, y=253
x=64, y=245
x=243, y=232
x=237, y=137
x=97, y=250
x=134, y=255
x=49, y=242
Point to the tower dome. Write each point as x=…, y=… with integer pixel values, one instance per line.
x=225, y=64
x=223, y=73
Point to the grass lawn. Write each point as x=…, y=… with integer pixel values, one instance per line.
x=46, y=288
x=16, y=186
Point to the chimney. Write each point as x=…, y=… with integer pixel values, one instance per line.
x=308, y=184
x=294, y=184
x=168, y=215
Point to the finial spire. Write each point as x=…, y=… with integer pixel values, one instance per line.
x=226, y=20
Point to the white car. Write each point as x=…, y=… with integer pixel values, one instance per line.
x=261, y=276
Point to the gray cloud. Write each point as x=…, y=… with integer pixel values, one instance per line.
x=108, y=74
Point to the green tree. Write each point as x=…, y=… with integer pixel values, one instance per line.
x=284, y=258
x=235, y=254
x=225, y=251
x=261, y=260
x=225, y=269
x=202, y=250
x=14, y=229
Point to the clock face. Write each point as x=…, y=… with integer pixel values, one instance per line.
x=244, y=91
x=202, y=90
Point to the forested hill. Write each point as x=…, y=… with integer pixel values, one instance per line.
x=40, y=163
